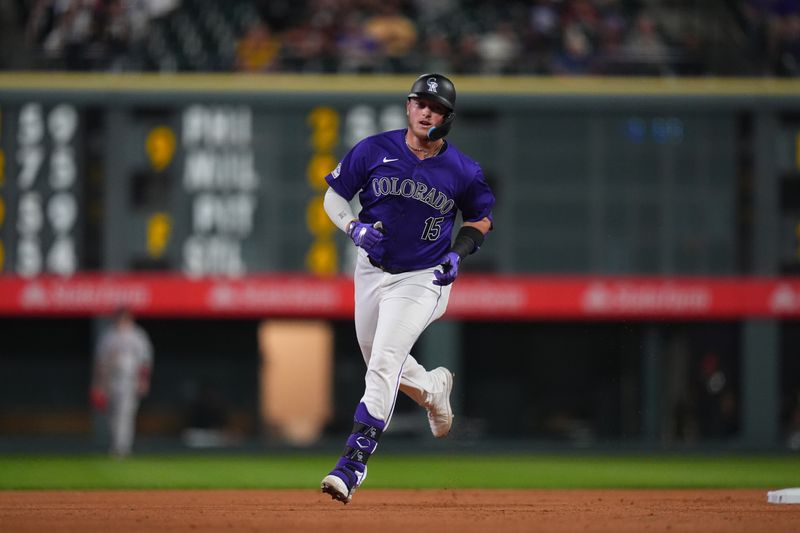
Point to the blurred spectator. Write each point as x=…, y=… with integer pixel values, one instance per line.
x=499, y=50
x=298, y=48
x=116, y=36
x=42, y=19
x=431, y=15
x=612, y=30
x=582, y=16
x=788, y=46
x=438, y=56
x=72, y=33
x=358, y=50
x=314, y=46
x=545, y=20
x=466, y=59
x=10, y=16
x=257, y=50
x=755, y=16
x=395, y=34
x=576, y=55
x=771, y=35
x=644, y=50
x=542, y=36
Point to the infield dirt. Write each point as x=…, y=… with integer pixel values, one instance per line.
x=389, y=511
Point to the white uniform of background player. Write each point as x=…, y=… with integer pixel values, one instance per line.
x=121, y=377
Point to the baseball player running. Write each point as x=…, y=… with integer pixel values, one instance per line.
x=411, y=184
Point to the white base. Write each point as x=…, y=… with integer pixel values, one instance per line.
x=784, y=496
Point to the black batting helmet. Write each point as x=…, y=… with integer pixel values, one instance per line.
x=442, y=90
x=437, y=87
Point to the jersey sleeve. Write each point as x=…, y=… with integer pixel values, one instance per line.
x=350, y=175
x=477, y=199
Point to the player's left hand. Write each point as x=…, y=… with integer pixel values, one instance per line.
x=449, y=271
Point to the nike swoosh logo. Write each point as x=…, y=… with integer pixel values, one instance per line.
x=387, y=160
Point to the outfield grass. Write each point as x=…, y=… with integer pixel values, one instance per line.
x=398, y=471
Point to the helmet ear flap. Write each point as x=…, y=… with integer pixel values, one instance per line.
x=438, y=132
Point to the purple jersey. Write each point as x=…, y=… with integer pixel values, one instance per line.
x=415, y=199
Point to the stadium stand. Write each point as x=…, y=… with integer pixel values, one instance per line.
x=537, y=37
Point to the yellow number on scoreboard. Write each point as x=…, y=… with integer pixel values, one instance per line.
x=159, y=226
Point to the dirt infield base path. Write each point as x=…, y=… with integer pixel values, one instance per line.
x=389, y=511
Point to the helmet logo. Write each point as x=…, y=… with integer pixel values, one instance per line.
x=432, y=85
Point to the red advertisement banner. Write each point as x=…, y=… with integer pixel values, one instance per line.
x=474, y=297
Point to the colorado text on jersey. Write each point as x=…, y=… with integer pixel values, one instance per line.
x=413, y=189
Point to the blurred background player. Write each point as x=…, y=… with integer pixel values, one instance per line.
x=411, y=185
x=123, y=363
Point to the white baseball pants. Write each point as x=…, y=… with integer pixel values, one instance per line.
x=122, y=421
x=392, y=311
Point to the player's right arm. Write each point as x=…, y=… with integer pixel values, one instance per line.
x=339, y=210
